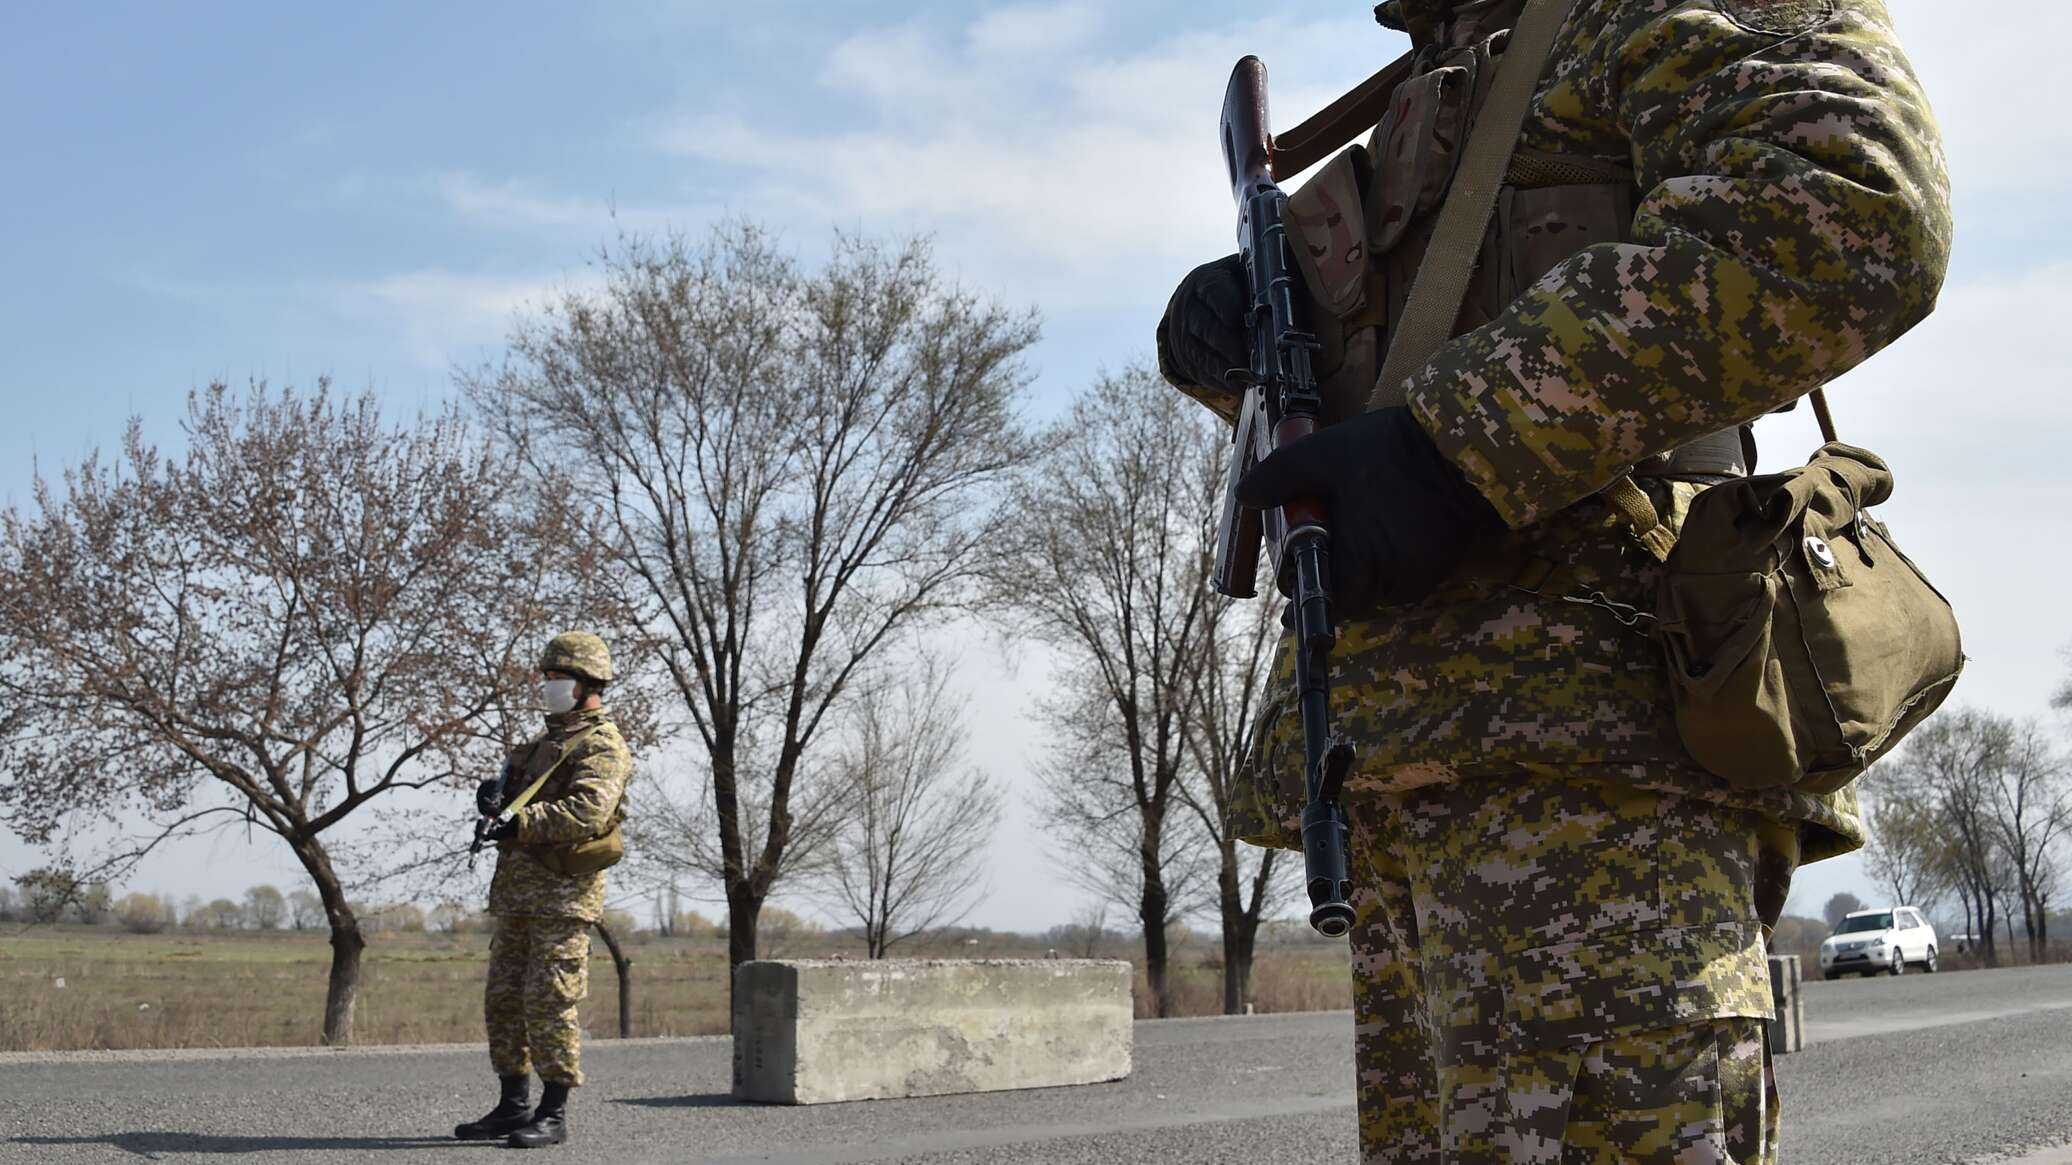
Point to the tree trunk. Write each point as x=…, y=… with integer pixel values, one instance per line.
x=1988, y=919
x=1151, y=912
x=344, y=987
x=624, y=966
x=1231, y=908
x=347, y=944
x=744, y=911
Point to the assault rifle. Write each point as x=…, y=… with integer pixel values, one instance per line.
x=1281, y=405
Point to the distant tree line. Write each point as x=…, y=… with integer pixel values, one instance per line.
x=1972, y=816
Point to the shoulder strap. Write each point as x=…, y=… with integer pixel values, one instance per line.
x=525, y=798
x=1450, y=257
x=1449, y=260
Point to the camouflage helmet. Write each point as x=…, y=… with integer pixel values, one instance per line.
x=578, y=653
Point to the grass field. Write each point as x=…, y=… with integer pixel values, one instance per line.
x=64, y=987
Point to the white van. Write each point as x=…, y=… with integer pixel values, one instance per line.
x=1870, y=941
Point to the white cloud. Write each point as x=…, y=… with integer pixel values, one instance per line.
x=1086, y=181
x=516, y=204
x=445, y=317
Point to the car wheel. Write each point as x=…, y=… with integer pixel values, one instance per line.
x=1833, y=975
x=1928, y=964
x=1899, y=961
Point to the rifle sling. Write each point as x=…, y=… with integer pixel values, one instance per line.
x=1353, y=114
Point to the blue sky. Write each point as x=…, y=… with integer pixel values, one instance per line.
x=218, y=191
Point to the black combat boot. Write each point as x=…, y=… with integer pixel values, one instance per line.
x=549, y=1121
x=511, y=1113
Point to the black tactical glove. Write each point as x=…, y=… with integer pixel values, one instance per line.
x=501, y=829
x=1401, y=515
x=1204, y=334
x=489, y=798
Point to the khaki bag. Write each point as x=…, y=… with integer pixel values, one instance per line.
x=576, y=859
x=1802, y=643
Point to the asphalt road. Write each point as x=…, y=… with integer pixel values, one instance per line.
x=1952, y=1068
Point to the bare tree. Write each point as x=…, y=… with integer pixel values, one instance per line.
x=220, y=914
x=1226, y=705
x=1906, y=849
x=2031, y=808
x=47, y=892
x=94, y=904
x=266, y=907
x=1108, y=563
x=798, y=468
x=448, y=917
x=1839, y=907
x=305, y=910
x=622, y=964
x=144, y=913
x=1954, y=764
x=303, y=613
x=917, y=822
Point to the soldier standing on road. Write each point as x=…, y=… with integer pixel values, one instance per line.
x=1715, y=206
x=549, y=890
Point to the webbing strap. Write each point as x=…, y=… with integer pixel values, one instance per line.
x=1637, y=510
x=525, y=798
x=1449, y=260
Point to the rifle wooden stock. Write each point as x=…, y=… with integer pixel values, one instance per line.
x=1247, y=147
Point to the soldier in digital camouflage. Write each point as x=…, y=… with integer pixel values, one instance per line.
x=549, y=890
x=1715, y=206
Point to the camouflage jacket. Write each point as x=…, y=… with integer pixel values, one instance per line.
x=1789, y=218
x=579, y=801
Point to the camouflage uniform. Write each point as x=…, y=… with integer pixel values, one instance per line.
x=539, y=957
x=1561, y=918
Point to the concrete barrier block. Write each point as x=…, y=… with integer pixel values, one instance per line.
x=815, y=1031
x=1788, y=1029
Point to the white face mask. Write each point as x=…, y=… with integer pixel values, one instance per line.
x=560, y=696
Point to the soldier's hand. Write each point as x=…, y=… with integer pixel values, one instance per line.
x=489, y=797
x=501, y=829
x=1204, y=333
x=1401, y=515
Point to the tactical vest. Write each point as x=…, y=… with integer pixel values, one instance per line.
x=568, y=858
x=1363, y=221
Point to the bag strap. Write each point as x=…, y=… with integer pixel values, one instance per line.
x=1450, y=257
x=1826, y=418
x=525, y=798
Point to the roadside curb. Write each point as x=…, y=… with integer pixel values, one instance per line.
x=176, y=1055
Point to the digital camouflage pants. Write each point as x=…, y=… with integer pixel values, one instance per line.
x=1553, y=971
x=539, y=969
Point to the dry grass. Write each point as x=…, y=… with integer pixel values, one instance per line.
x=267, y=989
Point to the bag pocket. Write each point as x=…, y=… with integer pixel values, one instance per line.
x=1732, y=703
x=1873, y=686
